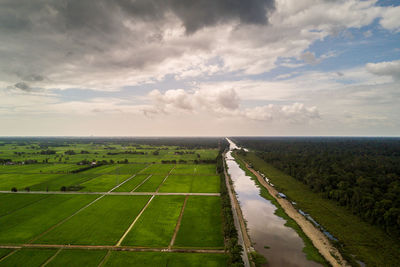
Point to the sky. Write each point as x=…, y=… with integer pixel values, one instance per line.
x=199, y=68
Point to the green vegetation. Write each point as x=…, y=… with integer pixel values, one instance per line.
x=145, y=259
x=102, y=223
x=11, y=202
x=103, y=183
x=28, y=257
x=4, y=252
x=191, y=184
x=230, y=233
x=375, y=248
x=201, y=223
x=86, y=219
x=159, y=169
x=132, y=183
x=157, y=224
x=151, y=184
x=78, y=258
x=30, y=221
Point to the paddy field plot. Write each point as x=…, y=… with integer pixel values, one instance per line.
x=102, y=223
x=28, y=257
x=159, y=169
x=10, y=203
x=195, y=169
x=104, y=183
x=156, y=226
x=133, y=183
x=78, y=258
x=23, y=224
x=130, y=168
x=201, y=223
x=39, y=168
x=146, y=259
x=191, y=184
x=151, y=184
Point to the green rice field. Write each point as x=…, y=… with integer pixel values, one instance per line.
x=82, y=208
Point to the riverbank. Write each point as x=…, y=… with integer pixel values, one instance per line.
x=319, y=240
x=358, y=240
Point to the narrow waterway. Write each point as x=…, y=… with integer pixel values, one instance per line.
x=264, y=227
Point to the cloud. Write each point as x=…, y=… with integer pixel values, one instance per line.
x=386, y=68
x=297, y=112
x=390, y=19
x=195, y=15
x=23, y=86
x=309, y=58
x=106, y=45
x=225, y=103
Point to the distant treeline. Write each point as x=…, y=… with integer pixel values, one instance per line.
x=181, y=142
x=362, y=174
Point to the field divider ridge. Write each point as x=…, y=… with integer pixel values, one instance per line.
x=147, y=178
x=9, y=254
x=66, y=219
x=51, y=258
x=169, y=173
x=133, y=223
x=124, y=248
x=130, y=178
x=113, y=193
x=178, y=224
x=105, y=258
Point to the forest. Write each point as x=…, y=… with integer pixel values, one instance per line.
x=362, y=174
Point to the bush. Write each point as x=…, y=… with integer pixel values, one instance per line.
x=14, y=189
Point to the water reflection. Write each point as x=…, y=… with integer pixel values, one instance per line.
x=265, y=228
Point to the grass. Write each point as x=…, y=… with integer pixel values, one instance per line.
x=369, y=243
x=206, y=184
x=103, y=183
x=178, y=183
x=159, y=169
x=102, y=223
x=201, y=223
x=146, y=259
x=28, y=257
x=78, y=258
x=66, y=180
x=21, y=181
x=132, y=183
x=10, y=202
x=130, y=168
x=157, y=224
x=4, y=252
x=39, y=168
x=28, y=222
x=191, y=184
x=311, y=252
x=151, y=184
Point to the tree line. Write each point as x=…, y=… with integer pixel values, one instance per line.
x=362, y=174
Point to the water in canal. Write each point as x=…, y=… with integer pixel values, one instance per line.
x=264, y=227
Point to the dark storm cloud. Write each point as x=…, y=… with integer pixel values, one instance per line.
x=23, y=86
x=196, y=14
x=105, y=15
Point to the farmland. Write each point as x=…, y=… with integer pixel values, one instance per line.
x=80, y=208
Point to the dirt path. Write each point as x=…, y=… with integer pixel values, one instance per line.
x=116, y=248
x=178, y=224
x=133, y=223
x=110, y=194
x=320, y=241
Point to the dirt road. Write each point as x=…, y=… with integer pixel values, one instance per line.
x=320, y=241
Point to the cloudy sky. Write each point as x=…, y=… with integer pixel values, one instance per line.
x=199, y=67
